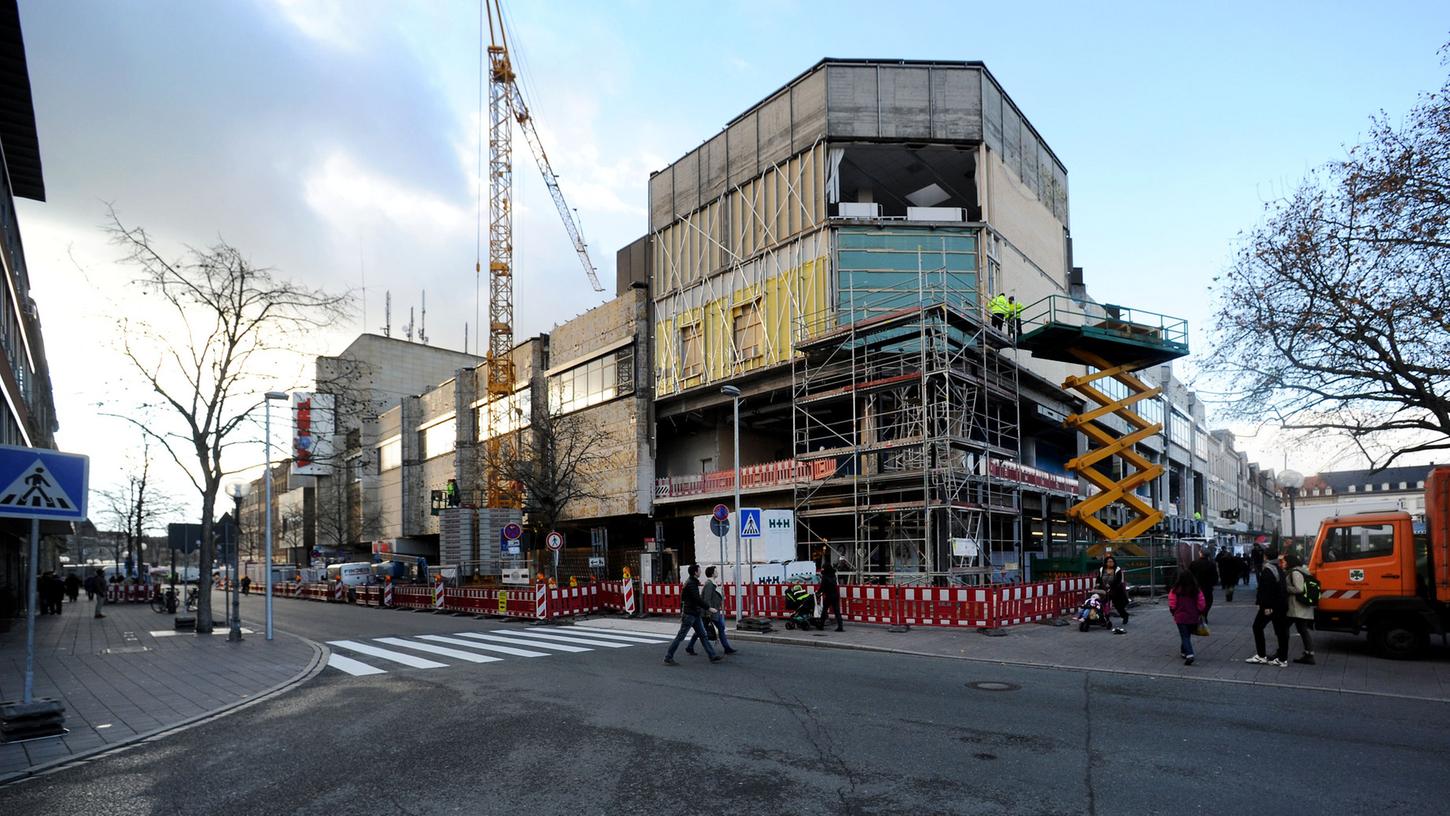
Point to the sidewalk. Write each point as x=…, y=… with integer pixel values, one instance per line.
x=1346, y=663
x=121, y=683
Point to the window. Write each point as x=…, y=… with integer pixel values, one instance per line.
x=1352, y=488
x=1355, y=543
x=439, y=438
x=1151, y=409
x=599, y=380
x=390, y=454
x=1179, y=430
x=514, y=414
x=1385, y=486
x=692, y=351
x=749, y=333
x=1200, y=443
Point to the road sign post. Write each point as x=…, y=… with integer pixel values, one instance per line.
x=40, y=484
x=555, y=540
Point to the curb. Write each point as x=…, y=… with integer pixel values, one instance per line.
x=312, y=669
x=826, y=644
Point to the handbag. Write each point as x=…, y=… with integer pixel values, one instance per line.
x=1202, y=630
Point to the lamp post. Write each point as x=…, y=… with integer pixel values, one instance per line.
x=734, y=394
x=267, y=563
x=236, y=490
x=1291, y=481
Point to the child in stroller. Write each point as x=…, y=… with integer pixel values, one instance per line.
x=1093, y=610
x=802, y=605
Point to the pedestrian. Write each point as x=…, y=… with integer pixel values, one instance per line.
x=1228, y=574
x=1113, y=581
x=998, y=307
x=72, y=586
x=830, y=594
x=1273, y=604
x=96, y=585
x=51, y=592
x=1256, y=559
x=1241, y=568
x=246, y=585
x=1205, y=572
x=90, y=593
x=692, y=610
x=1301, y=612
x=1187, y=605
x=714, y=601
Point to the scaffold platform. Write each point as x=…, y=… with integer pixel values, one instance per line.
x=1059, y=328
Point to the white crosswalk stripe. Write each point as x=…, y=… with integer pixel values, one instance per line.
x=387, y=654
x=656, y=637
x=558, y=647
x=619, y=636
x=458, y=641
x=457, y=654
x=530, y=635
x=356, y=668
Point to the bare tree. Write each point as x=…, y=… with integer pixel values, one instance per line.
x=556, y=462
x=136, y=506
x=1334, y=316
x=219, y=318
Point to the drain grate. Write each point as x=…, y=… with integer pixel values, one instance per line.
x=992, y=685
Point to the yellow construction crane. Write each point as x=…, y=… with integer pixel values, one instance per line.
x=505, y=107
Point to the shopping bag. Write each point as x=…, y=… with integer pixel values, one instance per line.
x=1202, y=630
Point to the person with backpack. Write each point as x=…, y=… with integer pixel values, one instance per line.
x=1273, y=603
x=1113, y=581
x=1187, y=605
x=1205, y=572
x=1303, y=591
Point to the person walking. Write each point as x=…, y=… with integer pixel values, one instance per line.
x=1187, y=605
x=692, y=609
x=96, y=586
x=1301, y=612
x=830, y=594
x=1113, y=581
x=1205, y=572
x=1273, y=605
x=714, y=601
x=1228, y=574
x=1241, y=568
x=72, y=586
x=246, y=584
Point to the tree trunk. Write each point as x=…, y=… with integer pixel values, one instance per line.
x=205, y=557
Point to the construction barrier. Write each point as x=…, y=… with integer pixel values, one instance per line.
x=438, y=594
x=541, y=601
x=388, y=595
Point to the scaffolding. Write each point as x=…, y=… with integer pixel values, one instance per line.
x=900, y=412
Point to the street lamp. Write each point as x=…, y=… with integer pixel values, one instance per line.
x=734, y=394
x=236, y=490
x=1291, y=481
x=267, y=565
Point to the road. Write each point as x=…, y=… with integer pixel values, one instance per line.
x=774, y=729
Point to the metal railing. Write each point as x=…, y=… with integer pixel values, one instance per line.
x=1109, y=319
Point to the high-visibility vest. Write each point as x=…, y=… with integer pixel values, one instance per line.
x=1016, y=308
x=998, y=305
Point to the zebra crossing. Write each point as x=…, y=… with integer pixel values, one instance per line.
x=361, y=658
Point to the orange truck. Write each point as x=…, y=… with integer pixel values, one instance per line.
x=1384, y=574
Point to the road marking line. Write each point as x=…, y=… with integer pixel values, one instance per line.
x=550, y=636
x=595, y=630
x=439, y=650
x=387, y=654
x=515, y=641
x=355, y=668
x=616, y=636
x=500, y=649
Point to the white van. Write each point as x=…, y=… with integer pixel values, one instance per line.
x=356, y=573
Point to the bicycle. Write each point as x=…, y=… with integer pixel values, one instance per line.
x=165, y=601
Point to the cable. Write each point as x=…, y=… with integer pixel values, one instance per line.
x=478, y=213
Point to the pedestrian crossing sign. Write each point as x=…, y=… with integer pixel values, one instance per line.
x=750, y=522
x=43, y=484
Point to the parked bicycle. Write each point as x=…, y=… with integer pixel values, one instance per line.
x=165, y=601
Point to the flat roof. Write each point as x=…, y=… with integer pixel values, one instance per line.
x=18, y=139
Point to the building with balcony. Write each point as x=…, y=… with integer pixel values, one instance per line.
x=27, y=413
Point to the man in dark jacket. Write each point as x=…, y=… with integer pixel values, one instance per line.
x=1228, y=573
x=1273, y=603
x=830, y=594
x=1206, y=574
x=692, y=612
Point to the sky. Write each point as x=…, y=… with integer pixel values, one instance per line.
x=337, y=142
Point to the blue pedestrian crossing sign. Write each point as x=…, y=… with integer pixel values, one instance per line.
x=750, y=522
x=43, y=484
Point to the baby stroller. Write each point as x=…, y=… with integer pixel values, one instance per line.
x=1093, y=611
x=802, y=605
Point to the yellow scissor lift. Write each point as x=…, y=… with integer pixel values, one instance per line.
x=1116, y=341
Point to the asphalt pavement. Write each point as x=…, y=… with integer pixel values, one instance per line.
x=776, y=728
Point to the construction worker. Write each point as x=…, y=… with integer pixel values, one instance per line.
x=1014, y=313
x=998, y=307
x=450, y=491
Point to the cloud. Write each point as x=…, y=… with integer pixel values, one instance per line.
x=354, y=201
x=330, y=22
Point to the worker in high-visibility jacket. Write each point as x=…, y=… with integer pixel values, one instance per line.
x=998, y=307
x=1014, y=314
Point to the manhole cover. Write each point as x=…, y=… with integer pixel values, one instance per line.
x=993, y=685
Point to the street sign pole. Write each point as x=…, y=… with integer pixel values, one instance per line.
x=30, y=565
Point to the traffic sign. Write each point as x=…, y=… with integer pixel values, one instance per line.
x=555, y=541
x=43, y=484
x=720, y=527
x=512, y=531
x=750, y=522
x=721, y=512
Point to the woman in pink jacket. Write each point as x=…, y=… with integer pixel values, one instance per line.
x=1186, y=603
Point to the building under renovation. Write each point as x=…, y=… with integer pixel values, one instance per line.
x=831, y=253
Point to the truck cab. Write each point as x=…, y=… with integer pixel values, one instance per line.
x=1380, y=574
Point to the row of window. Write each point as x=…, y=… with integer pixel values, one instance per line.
x=599, y=380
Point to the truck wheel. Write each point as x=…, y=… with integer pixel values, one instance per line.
x=1400, y=639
